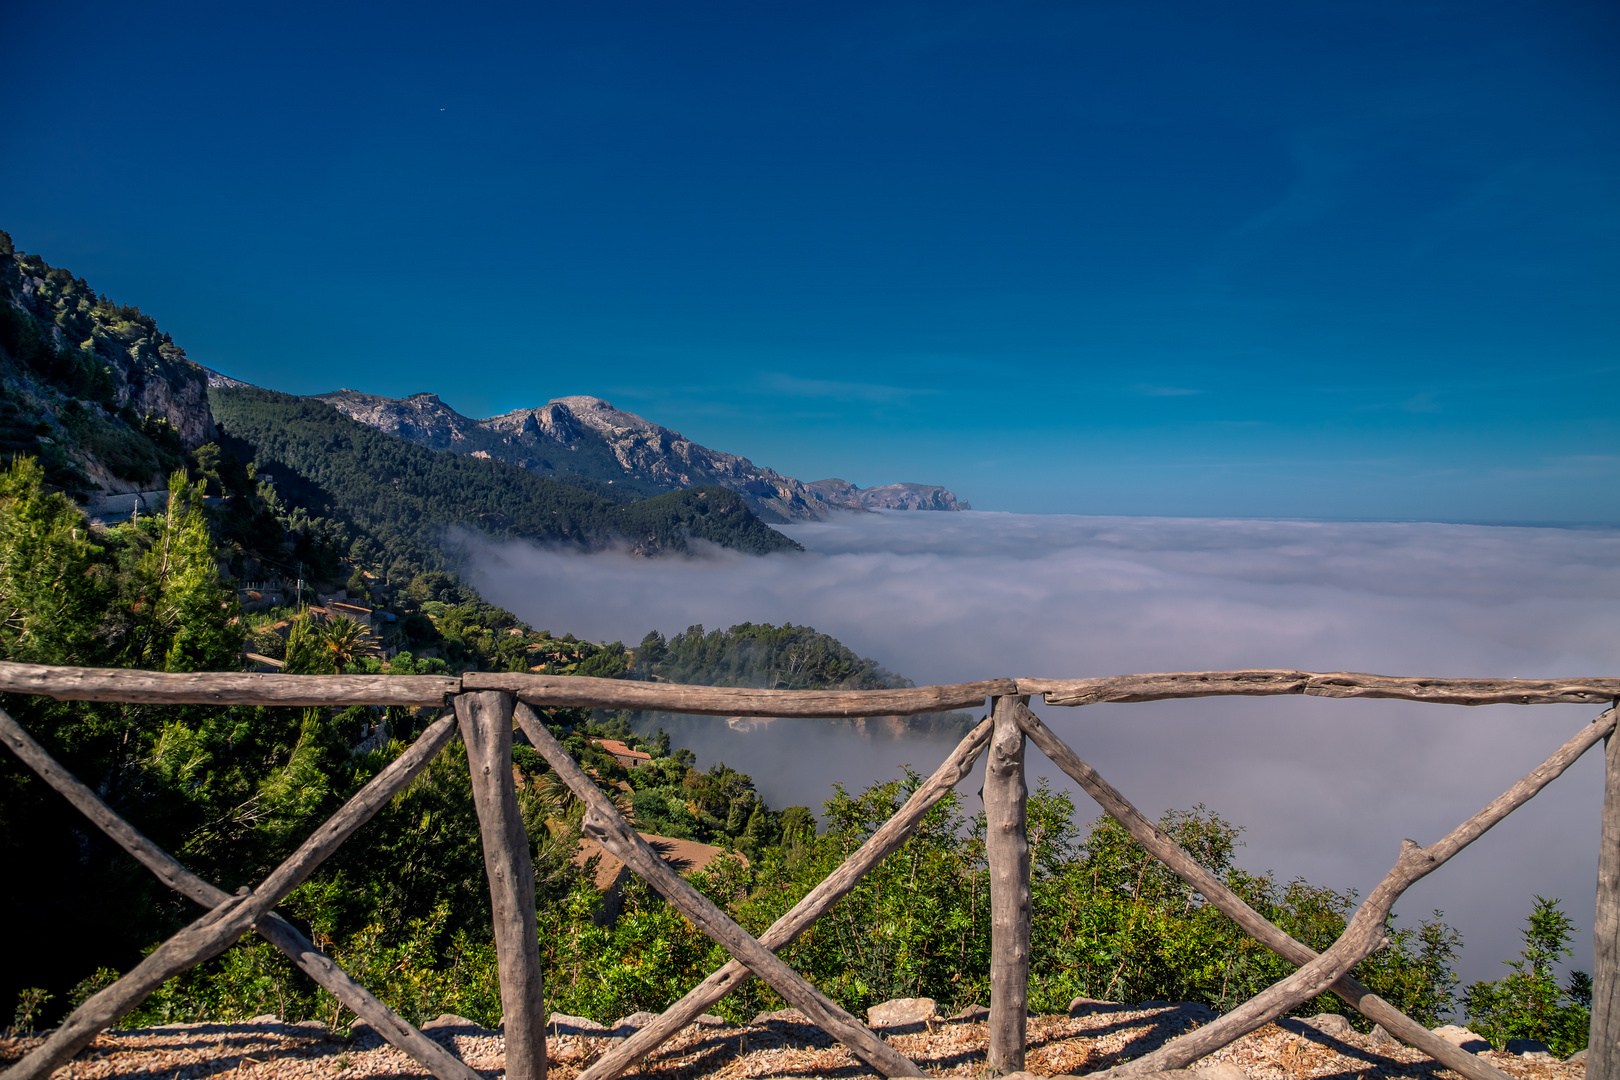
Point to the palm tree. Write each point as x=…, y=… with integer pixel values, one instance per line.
x=343, y=641
x=556, y=793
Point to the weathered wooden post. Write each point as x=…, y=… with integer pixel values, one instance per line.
x=1007, y=853
x=1603, y=1049
x=486, y=727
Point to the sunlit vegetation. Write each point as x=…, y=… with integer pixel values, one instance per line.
x=405, y=907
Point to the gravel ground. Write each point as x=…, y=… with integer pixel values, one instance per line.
x=266, y=1049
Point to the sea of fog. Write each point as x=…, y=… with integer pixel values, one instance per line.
x=1326, y=789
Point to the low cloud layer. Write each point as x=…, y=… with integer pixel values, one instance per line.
x=1327, y=789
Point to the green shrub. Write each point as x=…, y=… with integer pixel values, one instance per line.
x=1528, y=1004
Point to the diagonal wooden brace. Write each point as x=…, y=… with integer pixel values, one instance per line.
x=1167, y=851
x=221, y=927
x=1365, y=933
x=608, y=828
x=273, y=928
x=834, y=887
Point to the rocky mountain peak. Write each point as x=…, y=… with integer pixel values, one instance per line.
x=590, y=439
x=422, y=418
x=601, y=416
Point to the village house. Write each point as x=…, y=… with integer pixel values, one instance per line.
x=353, y=612
x=623, y=754
x=272, y=591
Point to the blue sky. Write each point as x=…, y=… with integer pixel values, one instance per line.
x=1296, y=259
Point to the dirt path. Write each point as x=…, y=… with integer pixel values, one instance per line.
x=266, y=1049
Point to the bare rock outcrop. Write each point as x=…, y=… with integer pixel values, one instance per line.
x=586, y=438
x=887, y=496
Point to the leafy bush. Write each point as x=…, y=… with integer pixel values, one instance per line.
x=1528, y=1004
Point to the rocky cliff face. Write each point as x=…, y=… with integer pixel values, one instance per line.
x=889, y=496
x=150, y=373
x=421, y=418
x=112, y=396
x=587, y=437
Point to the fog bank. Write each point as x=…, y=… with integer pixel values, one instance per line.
x=1327, y=789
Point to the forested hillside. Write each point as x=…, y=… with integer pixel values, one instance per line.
x=406, y=498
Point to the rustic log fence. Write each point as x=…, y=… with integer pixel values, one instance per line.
x=485, y=706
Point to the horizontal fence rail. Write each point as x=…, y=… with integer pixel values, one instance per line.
x=1338, y=684
x=486, y=706
x=559, y=691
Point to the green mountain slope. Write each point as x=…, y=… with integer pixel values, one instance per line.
x=407, y=497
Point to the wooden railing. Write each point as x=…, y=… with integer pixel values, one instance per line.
x=485, y=706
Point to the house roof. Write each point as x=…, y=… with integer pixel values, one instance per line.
x=619, y=749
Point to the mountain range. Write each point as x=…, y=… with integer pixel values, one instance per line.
x=586, y=437
x=109, y=403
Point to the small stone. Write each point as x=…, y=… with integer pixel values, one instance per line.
x=899, y=1011
x=711, y=1020
x=628, y=1025
x=450, y=1020
x=1577, y=1058
x=1334, y=1024
x=359, y=1031
x=973, y=1014
x=563, y=1024
x=1084, y=1006
x=1380, y=1037
x=1526, y=1047
x=779, y=1016
x=1459, y=1036
x=1222, y=1071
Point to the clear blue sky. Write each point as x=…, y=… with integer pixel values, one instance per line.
x=1303, y=259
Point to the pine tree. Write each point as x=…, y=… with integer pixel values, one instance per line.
x=53, y=586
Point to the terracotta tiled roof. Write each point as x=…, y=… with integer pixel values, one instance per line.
x=620, y=750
